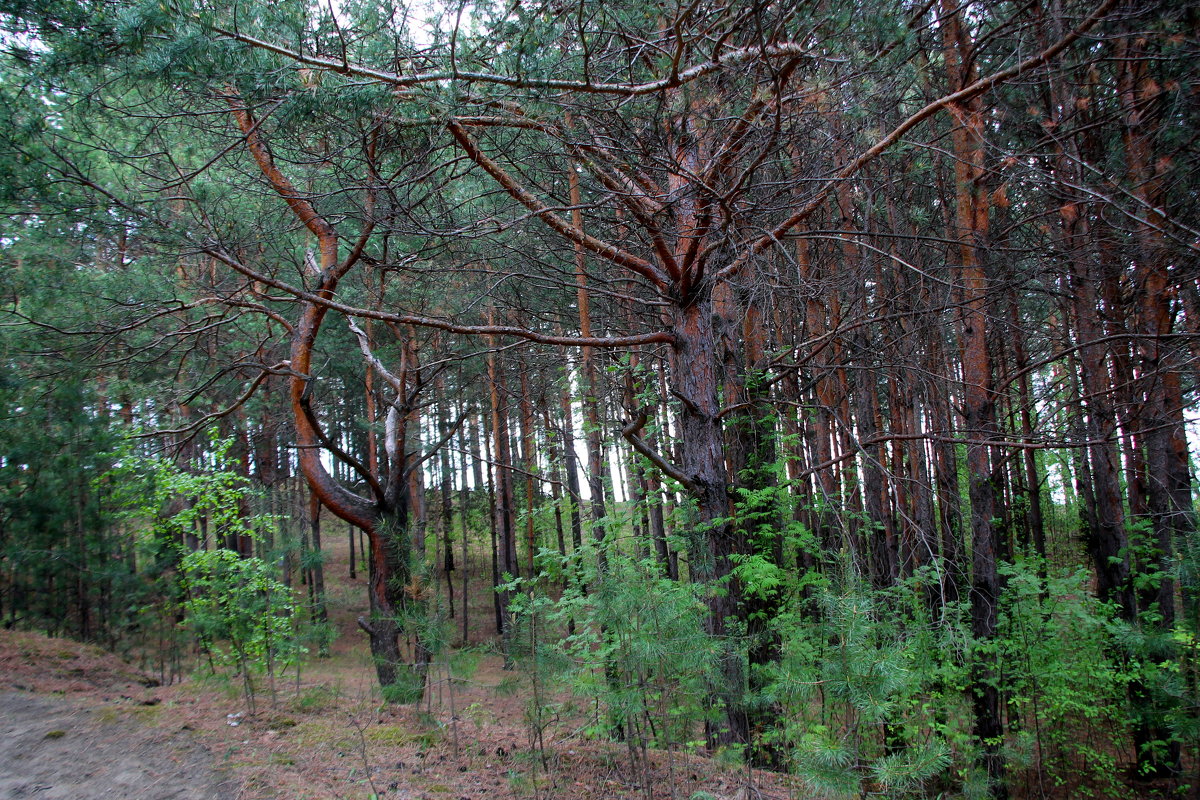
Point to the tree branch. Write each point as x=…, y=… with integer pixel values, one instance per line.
x=601, y=248
x=675, y=79
x=658, y=337
x=630, y=432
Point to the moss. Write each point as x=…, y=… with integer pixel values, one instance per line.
x=107, y=714
x=147, y=714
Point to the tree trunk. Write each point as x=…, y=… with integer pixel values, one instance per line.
x=529, y=464
x=971, y=228
x=587, y=375
x=319, y=613
x=505, y=510
x=695, y=381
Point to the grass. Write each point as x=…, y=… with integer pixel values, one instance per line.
x=316, y=699
x=397, y=736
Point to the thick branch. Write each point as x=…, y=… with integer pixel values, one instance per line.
x=364, y=344
x=630, y=432
x=601, y=248
x=658, y=337
x=220, y=413
x=337, y=498
x=339, y=453
x=303, y=209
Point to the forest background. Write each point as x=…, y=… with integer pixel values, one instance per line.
x=814, y=380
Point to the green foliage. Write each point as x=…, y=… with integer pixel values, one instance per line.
x=639, y=651
x=242, y=617
x=240, y=614
x=183, y=503
x=316, y=699
x=865, y=692
x=870, y=695
x=1064, y=686
x=65, y=565
x=408, y=688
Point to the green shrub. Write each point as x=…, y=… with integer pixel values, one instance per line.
x=241, y=615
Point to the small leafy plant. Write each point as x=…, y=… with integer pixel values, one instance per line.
x=239, y=614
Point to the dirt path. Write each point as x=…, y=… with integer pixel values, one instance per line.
x=62, y=748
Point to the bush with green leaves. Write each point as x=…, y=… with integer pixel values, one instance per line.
x=1064, y=686
x=639, y=651
x=195, y=504
x=1185, y=721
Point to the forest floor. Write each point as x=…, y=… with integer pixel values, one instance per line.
x=77, y=722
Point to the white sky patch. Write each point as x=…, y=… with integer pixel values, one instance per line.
x=423, y=20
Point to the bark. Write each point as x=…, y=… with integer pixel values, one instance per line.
x=317, y=580
x=1159, y=381
x=555, y=458
x=1169, y=505
x=1107, y=538
x=946, y=465
x=1033, y=481
x=587, y=376
x=493, y=518
x=571, y=462
x=446, y=490
x=826, y=499
x=467, y=449
x=385, y=517
x=529, y=463
x=881, y=534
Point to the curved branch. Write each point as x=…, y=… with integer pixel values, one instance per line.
x=301, y=207
x=339, y=453
x=630, y=432
x=364, y=345
x=601, y=248
x=221, y=413
x=309, y=438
